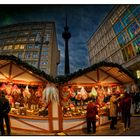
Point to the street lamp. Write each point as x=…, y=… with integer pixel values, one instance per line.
x=41, y=39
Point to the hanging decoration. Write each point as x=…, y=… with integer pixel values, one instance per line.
x=93, y=93
x=109, y=90
x=26, y=93
x=8, y=89
x=39, y=91
x=72, y=92
x=78, y=96
x=118, y=91
x=83, y=93
x=3, y=87
x=50, y=94
x=15, y=90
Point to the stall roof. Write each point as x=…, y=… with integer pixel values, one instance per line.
x=102, y=72
x=12, y=69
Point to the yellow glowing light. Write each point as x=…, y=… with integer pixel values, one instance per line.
x=138, y=73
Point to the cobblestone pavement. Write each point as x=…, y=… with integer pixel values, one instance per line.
x=100, y=131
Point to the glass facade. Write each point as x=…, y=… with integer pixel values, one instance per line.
x=133, y=29
x=135, y=10
x=123, y=39
x=127, y=18
x=136, y=44
x=130, y=22
x=118, y=27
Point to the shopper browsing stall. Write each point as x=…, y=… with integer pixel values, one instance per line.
x=113, y=109
x=126, y=106
x=91, y=116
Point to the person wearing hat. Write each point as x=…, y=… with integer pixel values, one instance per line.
x=91, y=116
x=113, y=109
x=4, y=110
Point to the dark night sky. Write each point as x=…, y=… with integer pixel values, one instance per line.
x=83, y=20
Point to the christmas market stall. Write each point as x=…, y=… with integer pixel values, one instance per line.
x=30, y=92
x=96, y=82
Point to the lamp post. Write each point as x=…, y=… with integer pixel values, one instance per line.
x=41, y=39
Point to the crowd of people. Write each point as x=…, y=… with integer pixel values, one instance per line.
x=118, y=103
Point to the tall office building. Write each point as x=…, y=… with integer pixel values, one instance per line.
x=117, y=39
x=33, y=42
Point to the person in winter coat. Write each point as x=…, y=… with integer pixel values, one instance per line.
x=91, y=116
x=113, y=110
x=4, y=110
x=126, y=106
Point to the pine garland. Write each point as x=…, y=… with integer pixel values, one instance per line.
x=61, y=79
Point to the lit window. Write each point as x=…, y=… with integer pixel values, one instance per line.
x=17, y=47
x=9, y=47
x=5, y=47
x=125, y=56
x=22, y=46
x=133, y=29
x=136, y=44
x=29, y=46
x=138, y=73
x=123, y=39
x=45, y=48
x=118, y=27
x=44, y=54
x=130, y=51
x=37, y=46
x=32, y=39
x=27, y=54
x=127, y=18
x=35, y=55
x=20, y=55
x=44, y=63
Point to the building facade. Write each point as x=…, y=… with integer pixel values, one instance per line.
x=117, y=39
x=34, y=43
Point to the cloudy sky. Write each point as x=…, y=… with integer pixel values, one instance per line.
x=83, y=20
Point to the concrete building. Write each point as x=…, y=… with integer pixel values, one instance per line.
x=117, y=39
x=33, y=42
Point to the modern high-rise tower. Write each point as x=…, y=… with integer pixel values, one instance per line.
x=117, y=39
x=33, y=42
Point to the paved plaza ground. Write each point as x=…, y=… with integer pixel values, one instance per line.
x=101, y=131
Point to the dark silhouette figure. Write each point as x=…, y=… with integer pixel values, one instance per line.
x=91, y=116
x=126, y=106
x=4, y=110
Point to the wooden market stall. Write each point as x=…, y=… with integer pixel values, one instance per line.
x=23, y=85
x=97, y=82
x=26, y=86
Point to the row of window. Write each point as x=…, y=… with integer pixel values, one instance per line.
x=35, y=63
x=127, y=18
x=23, y=46
x=118, y=13
x=128, y=52
x=31, y=55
